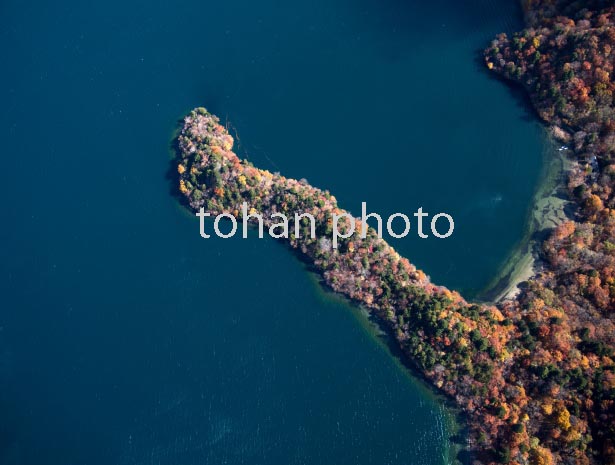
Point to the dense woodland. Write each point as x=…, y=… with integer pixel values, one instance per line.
x=565, y=60
x=535, y=375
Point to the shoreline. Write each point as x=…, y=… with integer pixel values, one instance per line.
x=455, y=423
x=547, y=210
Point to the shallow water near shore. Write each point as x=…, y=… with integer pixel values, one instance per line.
x=126, y=338
x=549, y=208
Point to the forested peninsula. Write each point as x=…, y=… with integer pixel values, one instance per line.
x=535, y=375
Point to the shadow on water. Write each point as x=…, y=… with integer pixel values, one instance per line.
x=401, y=15
x=519, y=94
x=172, y=175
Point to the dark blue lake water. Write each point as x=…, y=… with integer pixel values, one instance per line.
x=127, y=339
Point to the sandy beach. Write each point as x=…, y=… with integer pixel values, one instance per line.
x=549, y=209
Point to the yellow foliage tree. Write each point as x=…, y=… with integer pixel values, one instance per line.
x=563, y=418
x=541, y=456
